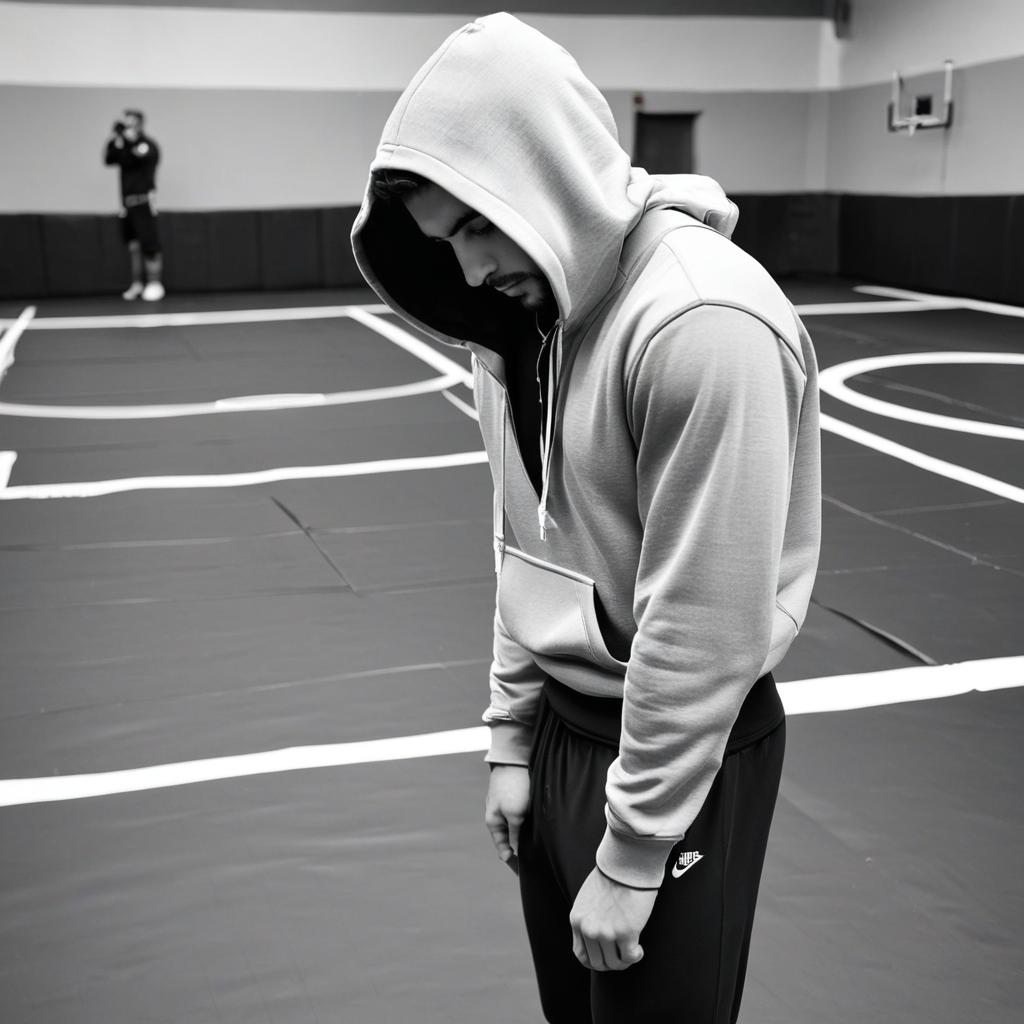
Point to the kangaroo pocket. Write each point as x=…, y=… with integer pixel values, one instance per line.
x=550, y=612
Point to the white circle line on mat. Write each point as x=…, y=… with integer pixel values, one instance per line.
x=833, y=381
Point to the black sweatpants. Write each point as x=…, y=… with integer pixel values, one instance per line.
x=696, y=941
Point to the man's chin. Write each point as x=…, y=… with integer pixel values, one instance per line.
x=535, y=302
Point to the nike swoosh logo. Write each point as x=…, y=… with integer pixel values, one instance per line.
x=678, y=871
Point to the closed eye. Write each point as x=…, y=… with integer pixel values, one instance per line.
x=475, y=225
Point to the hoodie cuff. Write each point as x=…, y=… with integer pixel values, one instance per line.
x=510, y=743
x=639, y=863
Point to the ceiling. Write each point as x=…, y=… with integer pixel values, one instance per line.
x=474, y=8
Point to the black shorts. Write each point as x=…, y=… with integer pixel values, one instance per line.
x=696, y=941
x=139, y=224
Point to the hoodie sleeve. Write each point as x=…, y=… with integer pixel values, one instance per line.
x=515, y=683
x=714, y=399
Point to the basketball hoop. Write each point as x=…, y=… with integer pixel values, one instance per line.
x=921, y=117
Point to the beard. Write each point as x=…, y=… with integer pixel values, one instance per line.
x=534, y=299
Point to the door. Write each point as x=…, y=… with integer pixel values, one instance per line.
x=664, y=143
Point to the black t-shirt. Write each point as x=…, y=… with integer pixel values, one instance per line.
x=138, y=161
x=525, y=396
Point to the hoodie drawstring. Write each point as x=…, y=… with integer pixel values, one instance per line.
x=548, y=435
x=546, y=445
x=499, y=494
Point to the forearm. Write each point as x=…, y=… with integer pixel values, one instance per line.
x=114, y=152
x=714, y=464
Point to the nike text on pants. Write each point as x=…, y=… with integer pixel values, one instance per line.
x=696, y=941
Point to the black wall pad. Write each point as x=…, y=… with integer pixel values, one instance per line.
x=927, y=240
x=1013, y=265
x=339, y=265
x=234, y=251
x=761, y=229
x=957, y=245
x=981, y=257
x=22, y=266
x=878, y=239
x=185, y=238
x=290, y=249
x=960, y=245
x=790, y=233
x=858, y=234
x=83, y=254
x=812, y=226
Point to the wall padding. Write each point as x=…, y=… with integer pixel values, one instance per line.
x=22, y=263
x=51, y=255
x=82, y=254
x=790, y=234
x=339, y=265
x=961, y=245
x=289, y=249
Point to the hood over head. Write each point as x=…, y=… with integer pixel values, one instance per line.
x=502, y=118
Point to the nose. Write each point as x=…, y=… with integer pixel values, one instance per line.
x=477, y=265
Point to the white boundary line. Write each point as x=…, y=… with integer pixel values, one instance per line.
x=901, y=685
x=978, y=305
x=461, y=405
x=833, y=382
x=11, y=336
x=246, y=403
x=808, y=696
x=415, y=347
x=96, y=488
x=854, y=308
x=7, y=460
x=133, y=780
x=452, y=372
x=185, y=319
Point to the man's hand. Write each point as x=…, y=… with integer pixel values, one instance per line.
x=508, y=797
x=606, y=921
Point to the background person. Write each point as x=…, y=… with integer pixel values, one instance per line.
x=138, y=155
x=648, y=402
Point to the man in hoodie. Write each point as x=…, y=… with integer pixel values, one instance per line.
x=648, y=403
x=137, y=155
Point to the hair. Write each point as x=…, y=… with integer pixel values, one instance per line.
x=390, y=184
x=136, y=113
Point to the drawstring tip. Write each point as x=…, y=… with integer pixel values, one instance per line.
x=545, y=522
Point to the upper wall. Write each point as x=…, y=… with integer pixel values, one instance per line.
x=902, y=35
x=158, y=47
x=748, y=141
x=983, y=152
x=257, y=149
x=220, y=148
x=262, y=109
x=290, y=112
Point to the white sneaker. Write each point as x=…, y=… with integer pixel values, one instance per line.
x=134, y=292
x=153, y=292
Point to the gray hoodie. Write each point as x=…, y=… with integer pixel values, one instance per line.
x=669, y=556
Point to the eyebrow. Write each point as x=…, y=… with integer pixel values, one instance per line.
x=459, y=224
